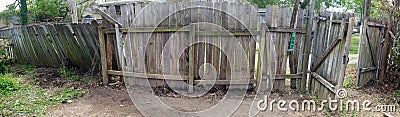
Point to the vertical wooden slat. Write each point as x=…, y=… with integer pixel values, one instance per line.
x=346, y=52
x=191, y=58
x=103, y=56
x=306, y=52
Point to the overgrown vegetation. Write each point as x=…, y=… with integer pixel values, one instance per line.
x=8, y=84
x=393, y=11
x=22, y=98
x=349, y=82
x=20, y=95
x=66, y=73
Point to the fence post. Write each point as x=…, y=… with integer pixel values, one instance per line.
x=307, y=46
x=191, y=58
x=103, y=55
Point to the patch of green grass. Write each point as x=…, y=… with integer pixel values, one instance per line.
x=352, y=65
x=8, y=84
x=28, y=68
x=349, y=82
x=355, y=40
x=30, y=100
x=74, y=77
x=66, y=73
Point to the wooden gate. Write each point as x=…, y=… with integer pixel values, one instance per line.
x=277, y=20
x=330, y=52
x=370, y=52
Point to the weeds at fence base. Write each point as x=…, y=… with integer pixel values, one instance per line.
x=29, y=91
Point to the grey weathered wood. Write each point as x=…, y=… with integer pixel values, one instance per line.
x=370, y=51
x=262, y=66
x=288, y=76
x=106, y=4
x=108, y=17
x=103, y=57
x=330, y=47
x=322, y=80
x=74, y=12
x=191, y=58
x=306, y=51
x=119, y=44
x=346, y=52
x=148, y=75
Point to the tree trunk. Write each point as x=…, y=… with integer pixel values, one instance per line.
x=24, y=13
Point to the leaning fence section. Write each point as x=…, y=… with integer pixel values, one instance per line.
x=371, y=53
x=56, y=45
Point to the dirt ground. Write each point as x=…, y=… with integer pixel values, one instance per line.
x=107, y=101
x=99, y=101
x=114, y=100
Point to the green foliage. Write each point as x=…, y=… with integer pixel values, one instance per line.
x=397, y=92
x=8, y=84
x=394, y=57
x=352, y=65
x=48, y=9
x=66, y=73
x=355, y=40
x=349, y=82
x=355, y=5
x=263, y=3
x=5, y=62
x=5, y=65
x=26, y=67
x=27, y=99
x=68, y=93
x=305, y=3
x=42, y=10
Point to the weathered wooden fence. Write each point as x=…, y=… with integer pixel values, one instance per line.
x=143, y=23
x=371, y=52
x=278, y=21
x=330, y=51
x=5, y=43
x=169, y=30
x=196, y=42
x=55, y=45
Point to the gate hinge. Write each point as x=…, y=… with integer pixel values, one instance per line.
x=346, y=59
